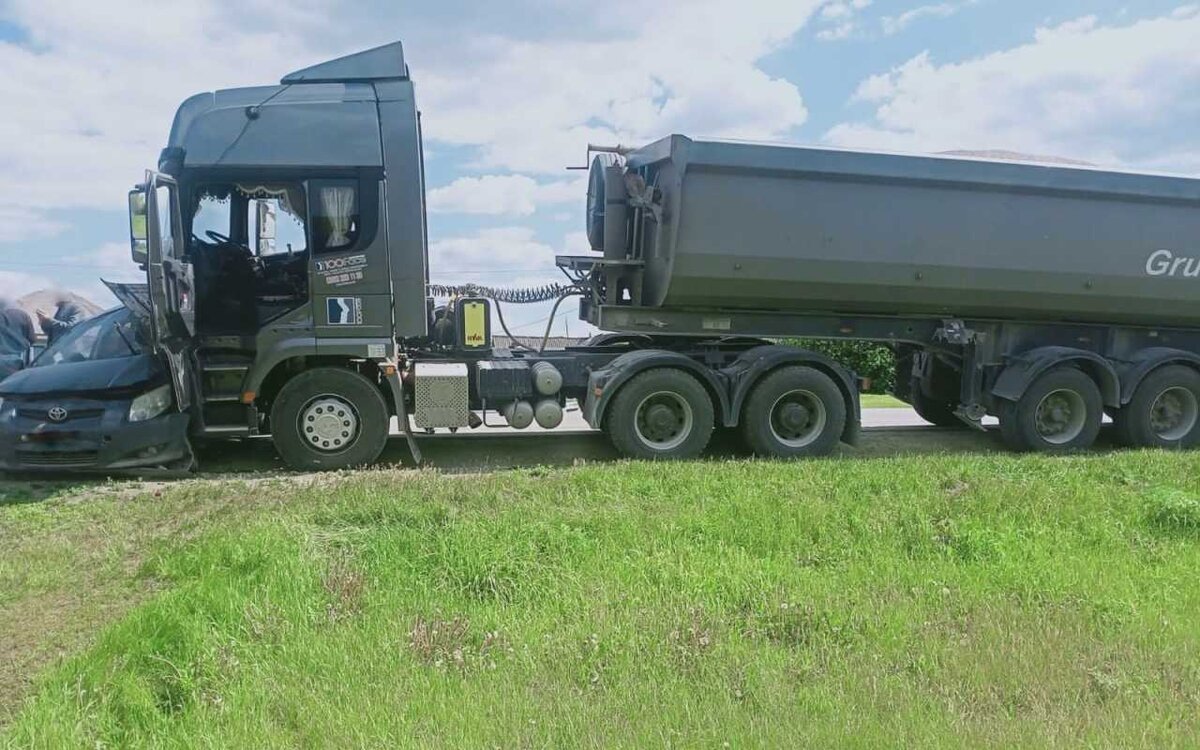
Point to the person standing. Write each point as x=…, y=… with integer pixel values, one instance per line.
x=16, y=336
x=66, y=315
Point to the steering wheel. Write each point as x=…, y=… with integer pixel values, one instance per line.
x=222, y=239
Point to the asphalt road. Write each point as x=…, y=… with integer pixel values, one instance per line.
x=887, y=432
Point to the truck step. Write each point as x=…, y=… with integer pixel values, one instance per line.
x=222, y=398
x=224, y=366
x=225, y=430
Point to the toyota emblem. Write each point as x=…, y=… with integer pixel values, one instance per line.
x=57, y=414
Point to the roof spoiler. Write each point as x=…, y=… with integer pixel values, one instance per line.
x=378, y=64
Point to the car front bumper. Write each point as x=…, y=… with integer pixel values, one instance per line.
x=96, y=436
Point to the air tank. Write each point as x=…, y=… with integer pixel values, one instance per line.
x=519, y=414
x=716, y=225
x=548, y=413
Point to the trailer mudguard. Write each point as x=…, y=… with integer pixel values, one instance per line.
x=1147, y=361
x=1021, y=370
x=604, y=383
x=753, y=364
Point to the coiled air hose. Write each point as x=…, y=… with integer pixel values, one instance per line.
x=521, y=296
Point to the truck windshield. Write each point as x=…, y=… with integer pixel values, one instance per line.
x=111, y=335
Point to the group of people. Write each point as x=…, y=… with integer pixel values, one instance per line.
x=17, y=332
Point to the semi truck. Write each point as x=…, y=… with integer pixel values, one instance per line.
x=284, y=239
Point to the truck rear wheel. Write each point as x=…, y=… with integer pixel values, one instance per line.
x=662, y=413
x=1059, y=412
x=793, y=413
x=1164, y=411
x=329, y=418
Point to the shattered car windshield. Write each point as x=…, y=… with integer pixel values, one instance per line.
x=111, y=335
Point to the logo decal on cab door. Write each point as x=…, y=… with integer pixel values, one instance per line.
x=344, y=311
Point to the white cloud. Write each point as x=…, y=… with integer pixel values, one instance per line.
x=836, y=33
x=896, y=24
x=1103, y=94
x=504, y=195
x=839, y=18
x=489, y=256
x=23, y=223
x=533, y=106
x=16, y=284
x=89, y=97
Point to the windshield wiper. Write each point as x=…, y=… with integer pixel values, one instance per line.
x=128, y=344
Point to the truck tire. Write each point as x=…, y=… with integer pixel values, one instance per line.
x=1164, y=411
x=1059, y=412
x=793, y=413
x=662, y=414
x=940, y=413
x=329, y=418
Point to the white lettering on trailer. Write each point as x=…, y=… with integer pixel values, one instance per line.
x=1166, y=263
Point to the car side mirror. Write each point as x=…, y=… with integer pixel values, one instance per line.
x=138, y=234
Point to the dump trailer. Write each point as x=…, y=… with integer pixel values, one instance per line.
x=284, y=240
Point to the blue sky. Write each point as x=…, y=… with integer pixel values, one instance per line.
x=512, y=93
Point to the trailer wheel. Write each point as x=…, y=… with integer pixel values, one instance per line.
x=1164, y=411
x=329, y=418
x=1059, y=412
x=794, y=412
x=662, y=413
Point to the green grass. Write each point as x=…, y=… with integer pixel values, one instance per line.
x=881, y=401
x=978, y=600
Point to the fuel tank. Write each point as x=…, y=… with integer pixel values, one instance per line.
x=747, y=226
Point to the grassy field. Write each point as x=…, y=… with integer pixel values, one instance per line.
x=881, y=401
x=979, y=600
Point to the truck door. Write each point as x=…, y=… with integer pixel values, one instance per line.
x=170, y=281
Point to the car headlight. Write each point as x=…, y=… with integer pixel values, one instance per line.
x=150, y=404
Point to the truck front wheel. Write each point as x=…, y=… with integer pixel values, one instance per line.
x=329, y=418
x=1061, y=411
x=661, y=414
x=794, y=412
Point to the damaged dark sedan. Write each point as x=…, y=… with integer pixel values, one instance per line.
x=97, y=400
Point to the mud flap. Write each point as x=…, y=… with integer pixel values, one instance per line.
x=397, y=389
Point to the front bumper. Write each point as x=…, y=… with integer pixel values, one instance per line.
x=96, y=436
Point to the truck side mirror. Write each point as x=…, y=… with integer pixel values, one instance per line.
x=265, y=212
x=138, y=234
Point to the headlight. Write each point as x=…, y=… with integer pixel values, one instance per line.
x=150, y=404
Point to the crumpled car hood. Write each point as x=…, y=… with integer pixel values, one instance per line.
x=111, y=376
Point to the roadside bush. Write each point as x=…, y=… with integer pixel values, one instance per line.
x=869, y=360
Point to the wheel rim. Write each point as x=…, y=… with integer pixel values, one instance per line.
x=1060, y=416
x=663, y=420
x=1174, y=413
x=328, y=423
x=798, y=418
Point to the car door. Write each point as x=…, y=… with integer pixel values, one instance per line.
x=170, y=283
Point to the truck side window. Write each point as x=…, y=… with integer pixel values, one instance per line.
x=212, y=211
x=337, y=222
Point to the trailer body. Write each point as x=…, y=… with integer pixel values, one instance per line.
x=748, y=226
